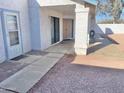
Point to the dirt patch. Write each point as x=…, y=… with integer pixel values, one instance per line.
x=119, y=38
x=106, y=48
x=66, y=77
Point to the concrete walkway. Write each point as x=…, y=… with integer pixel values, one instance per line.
x=25, y=79
x=30, y=75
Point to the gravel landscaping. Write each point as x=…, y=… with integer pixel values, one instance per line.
x=66, y=77
x=72, y=74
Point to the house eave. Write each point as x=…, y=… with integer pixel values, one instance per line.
x=84, y=1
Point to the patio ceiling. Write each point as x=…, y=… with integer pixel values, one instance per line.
x=63, y=2
x=65, y=9
x=85, y=1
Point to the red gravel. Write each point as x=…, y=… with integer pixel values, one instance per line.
x=71, y=78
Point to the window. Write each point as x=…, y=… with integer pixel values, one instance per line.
x=14, y=39
x=12, y=22
x=13, y=29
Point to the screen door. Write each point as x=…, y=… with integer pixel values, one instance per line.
x=12, y=35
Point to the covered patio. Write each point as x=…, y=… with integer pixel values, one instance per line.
x=105, y=52
x=64, y=21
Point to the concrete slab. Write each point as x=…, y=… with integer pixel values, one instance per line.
x=47, y=61
x=66, y=47
x=28, y=60
x=29, y=76
x=57, y=50
x=5, y=91
x=55, y=55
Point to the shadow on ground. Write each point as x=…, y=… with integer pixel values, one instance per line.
x=101, y=42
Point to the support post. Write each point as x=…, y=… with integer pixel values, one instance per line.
x=81, y=30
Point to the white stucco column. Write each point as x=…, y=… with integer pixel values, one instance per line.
x=61, y=29
x=81, y=30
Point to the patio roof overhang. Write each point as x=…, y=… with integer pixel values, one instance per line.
x=85, y=1
x=63, y=9
x=43, y=3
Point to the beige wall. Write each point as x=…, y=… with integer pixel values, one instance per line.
x=108, y=28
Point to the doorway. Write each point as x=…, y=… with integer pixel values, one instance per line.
x=12, y=34
x=55, y=31
x=67, y=29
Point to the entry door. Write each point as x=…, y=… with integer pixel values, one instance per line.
x=67, y=28
x=12, y=35
x=55, y=32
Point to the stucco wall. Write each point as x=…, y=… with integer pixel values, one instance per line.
x=22, y=7
x=46, y=14
x=34, y=12
x=109, y=28
x=40, y=19
x=2, y=49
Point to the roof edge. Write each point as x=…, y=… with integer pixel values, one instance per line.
x=90, y=2
x=85, y=1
